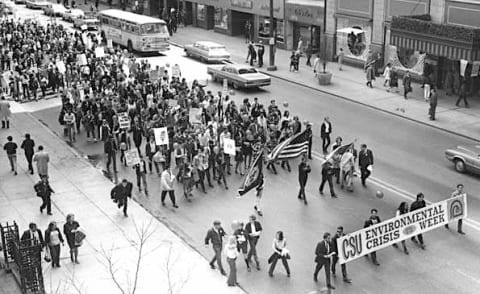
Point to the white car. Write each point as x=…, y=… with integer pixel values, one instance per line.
x=36, y=4
x=207, y=51
x=70, y=14
x=89, y=21
x=54, y=9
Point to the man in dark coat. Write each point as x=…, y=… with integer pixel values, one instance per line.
x=335, y=237
x=418, y=204
x=253, y=229
x=215, y=237
x=323, y=252
x=33, y=234
x=28, y=147
x=260, y=52
x=303, y=171
x=120, y=194
x=325, y=131
x=433, y=103
x=327, y=176
x=44, y=191
x=373, y=220
x=110, y=149
x=137, y=137
x=365, y=162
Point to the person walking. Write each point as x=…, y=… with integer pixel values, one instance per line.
x=53, y=239
x=365, y=162
x=462, y=94
x=33, y=234
x=231, y=252
x=325, y=131
x=260, y=53
x=393, y=81
x=44, y=191
x=327, y=176
x=258, y=195
x=5, y=113
x=253, y=229
x=215, y=237
x=347, y=167
x=370, y=75
x=166, y=185
x=110, y=148
x=280, y=251
x=458, y=192
x=402, y=209
x=426, y=87
x=418, y=204
x=335, y=258
x=70, y=228
x=42, y=158
x=387, y=74
x=373, y=220
x=308, y=52
x=433, y=103
x=120, y=194
x=303, y=171
x=11, y=148
x=28, y=147
x=310, y=139
x=141, y=173
x=407, y=84
x=242, y=241
x=323, y=254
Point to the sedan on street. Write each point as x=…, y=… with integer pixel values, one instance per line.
x=36, y=4
x=207, y=51
x=239, y=75
x=465, y=158
x=54, y=9
x=70, y=14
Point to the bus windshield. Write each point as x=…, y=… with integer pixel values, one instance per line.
x=153, y=28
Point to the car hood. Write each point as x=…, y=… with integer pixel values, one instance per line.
x=473, y=150
x=255, y=76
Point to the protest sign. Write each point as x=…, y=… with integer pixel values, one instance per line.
x=99, y=52
x=61, y=66
x=81, y=94
x=84, y=27
x=161, y=136
x=195, y=115
x=82, y=59
x=123, y=120
x=132, y=157
x=229, y=146
x=172, y=103
x=154, y=75
x=402, y=227
x=109, y=43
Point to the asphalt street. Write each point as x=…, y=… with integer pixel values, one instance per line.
x=408, y=156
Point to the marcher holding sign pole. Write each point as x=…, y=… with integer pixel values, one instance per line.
x=373, y=220
x=458, y=192
x=418, y=204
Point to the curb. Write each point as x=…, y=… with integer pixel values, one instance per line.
x=360, y=103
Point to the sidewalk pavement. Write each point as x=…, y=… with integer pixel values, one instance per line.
x=350, y=84
x=169, y=265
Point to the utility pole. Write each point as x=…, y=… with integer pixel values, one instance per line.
x=272, y=40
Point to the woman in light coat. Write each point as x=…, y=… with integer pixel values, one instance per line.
x=5, y=113
x=42, y=158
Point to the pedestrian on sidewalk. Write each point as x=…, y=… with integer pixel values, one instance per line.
x=231, y=252
x=373, y=220
x=426, y=87
x=323, y=254
x=309, y=52
x=340, y=57
x=433, y=103
x=418, y=204
x=325, y=131
x=53, y=239
x=462, y=94
x=280, y=251
x=303, y=171
x=393, y=81
x=387, y=74
x=370, y=74
x=44, y=191
x=317, y=65
x=5, y=113
x=70, y=229
x=241, y=241
x=28, y=147
x=402, y=209
x=335, y=258
x=33, y=235
x=458, y=192
x=407, y=84
x=247, y=30
x=11, y=148
x=365, y=162
x=260, y=52
x=253, y=229
x=215, y=237
x=327, y=176
x=166, y=185
x=42, y=158
x=120, y=194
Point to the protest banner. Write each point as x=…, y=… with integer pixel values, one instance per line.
x=123, y=120
x=402, y=227
x=61, y=66
x=82, y=59
x=229, y=146
x=172, y=103
x=132, y=157
x=99, y=52
x=161, y=136
x=109, y=43
x=195, y=115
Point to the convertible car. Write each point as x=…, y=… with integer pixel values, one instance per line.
x=465, y=158
x=239, y=75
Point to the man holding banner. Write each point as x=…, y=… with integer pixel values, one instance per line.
x=458, y=192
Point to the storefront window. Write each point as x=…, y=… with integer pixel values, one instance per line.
x=264, y=29
x=356, y=42
x=221, y=18
x=201, y=12
x=408, y=57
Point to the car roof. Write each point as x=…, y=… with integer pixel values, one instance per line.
x=475, y=149
x=126, y=15
x=239, y=66
x=209, y=44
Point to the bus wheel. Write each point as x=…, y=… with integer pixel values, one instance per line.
x=130, y=46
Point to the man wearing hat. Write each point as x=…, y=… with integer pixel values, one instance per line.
x=120, y=194
x=215, y=237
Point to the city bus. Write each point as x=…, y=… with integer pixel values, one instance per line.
x=135, y=31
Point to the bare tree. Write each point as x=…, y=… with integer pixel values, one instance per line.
x=174, y=285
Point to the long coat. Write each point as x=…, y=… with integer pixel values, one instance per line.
x=42, y=159
x=4, y=109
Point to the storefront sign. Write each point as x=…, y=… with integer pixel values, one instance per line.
x=402, y=227
x=242, y=3
x=309, y=14
x=259, y=7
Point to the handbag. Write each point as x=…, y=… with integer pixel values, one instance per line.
x=79, y=237
x=47, y=256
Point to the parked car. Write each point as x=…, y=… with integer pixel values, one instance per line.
x=70, y=14
x=54, y=9
x=465, y=158
x=88, y=19
x=37, y=4
x=7, y=7
x=239, y=75
x=207, y=51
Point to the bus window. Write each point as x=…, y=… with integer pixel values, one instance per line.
x=154, y=28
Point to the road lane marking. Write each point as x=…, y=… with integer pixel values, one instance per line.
x=403, y=193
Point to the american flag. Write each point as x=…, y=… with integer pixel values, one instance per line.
x=291, y=148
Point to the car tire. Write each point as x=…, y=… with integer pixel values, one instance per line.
x=460, y=165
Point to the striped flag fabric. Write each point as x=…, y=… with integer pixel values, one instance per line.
x=291, y=148
x=254, y=176
x=339, y=150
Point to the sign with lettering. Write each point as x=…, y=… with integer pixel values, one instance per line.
x=309, y=14
x=123, y=120
x=161, y=136
x=229, y=146
x=242, y=3
x=402, y=227
x=132, y=157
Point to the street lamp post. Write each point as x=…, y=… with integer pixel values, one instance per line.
x=271, y=41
